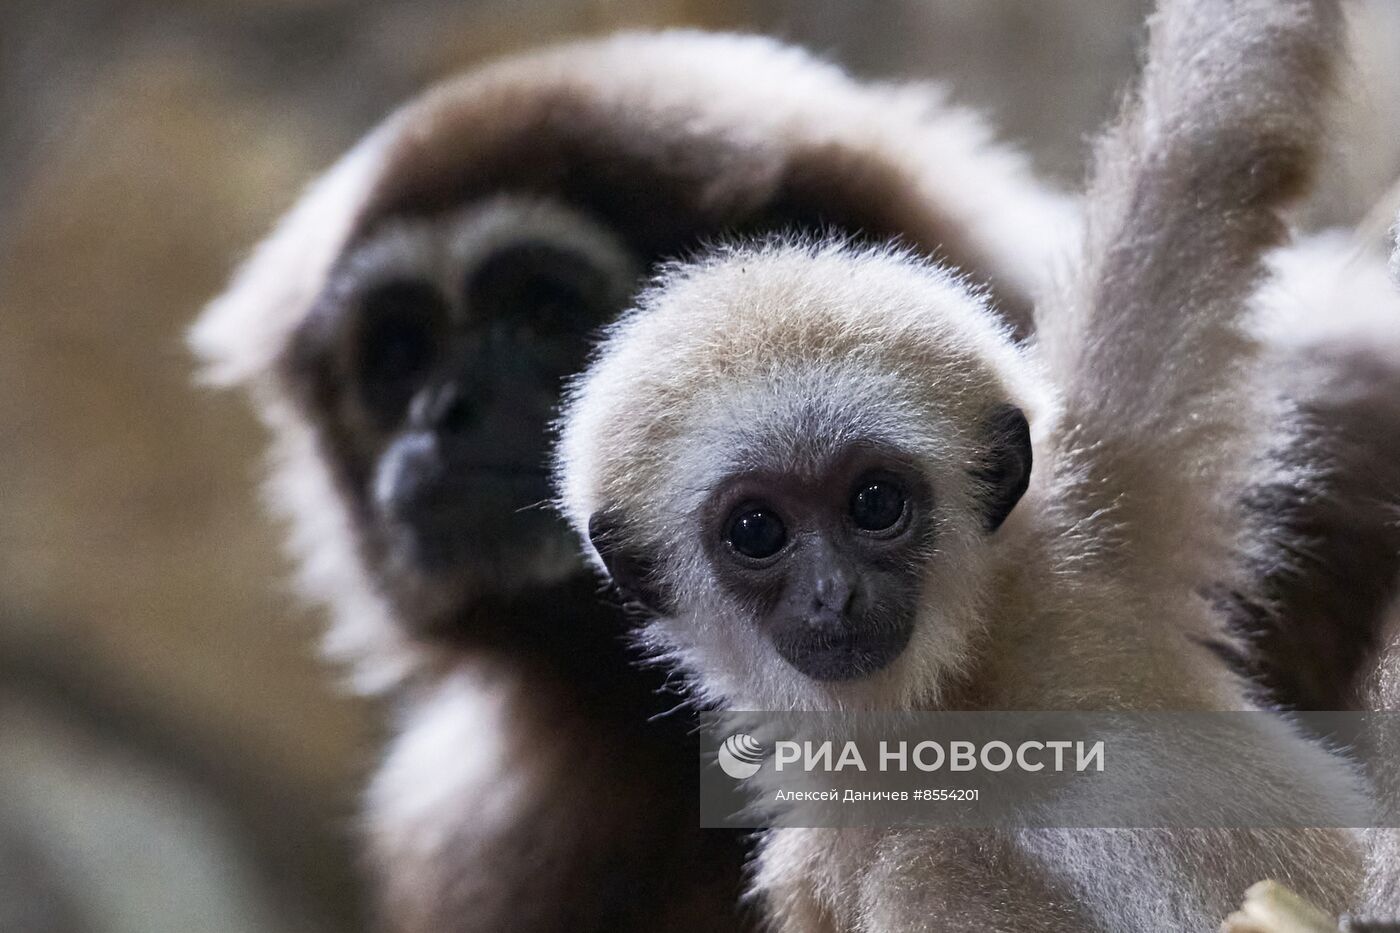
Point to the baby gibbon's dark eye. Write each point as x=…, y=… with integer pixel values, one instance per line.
x=756, y=533
x=399, y=337
x=877, y=504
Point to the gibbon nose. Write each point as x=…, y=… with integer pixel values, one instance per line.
x=834, y=597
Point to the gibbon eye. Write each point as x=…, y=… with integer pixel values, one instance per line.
x=756, y=533
x=877, y=504
x=398, y=341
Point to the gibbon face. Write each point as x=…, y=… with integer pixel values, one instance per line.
x=435, y=359
x=828, y=559
x=773, y=476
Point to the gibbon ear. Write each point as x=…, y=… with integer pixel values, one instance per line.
x=1006, y=472
x=632, y=570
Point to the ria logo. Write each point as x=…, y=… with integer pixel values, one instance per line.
x=741, y=756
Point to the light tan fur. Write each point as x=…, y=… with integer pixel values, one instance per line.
x=1148, y=417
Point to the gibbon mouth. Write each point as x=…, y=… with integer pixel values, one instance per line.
x=844, y=656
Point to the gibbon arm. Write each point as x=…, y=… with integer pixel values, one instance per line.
x=1147, y=342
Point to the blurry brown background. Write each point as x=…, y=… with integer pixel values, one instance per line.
x=172, y=754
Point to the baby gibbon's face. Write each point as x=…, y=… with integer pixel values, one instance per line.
x=829, y=562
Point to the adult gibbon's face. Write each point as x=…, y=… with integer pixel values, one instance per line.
x=436, y=359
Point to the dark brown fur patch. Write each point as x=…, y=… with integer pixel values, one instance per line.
x=1327, y=593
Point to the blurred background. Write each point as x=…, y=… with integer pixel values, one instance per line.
x=173, y=756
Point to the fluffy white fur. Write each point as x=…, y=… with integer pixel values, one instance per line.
x=1148, y=414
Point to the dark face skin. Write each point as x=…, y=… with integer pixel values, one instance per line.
x=438, y=405
x=829, y=565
